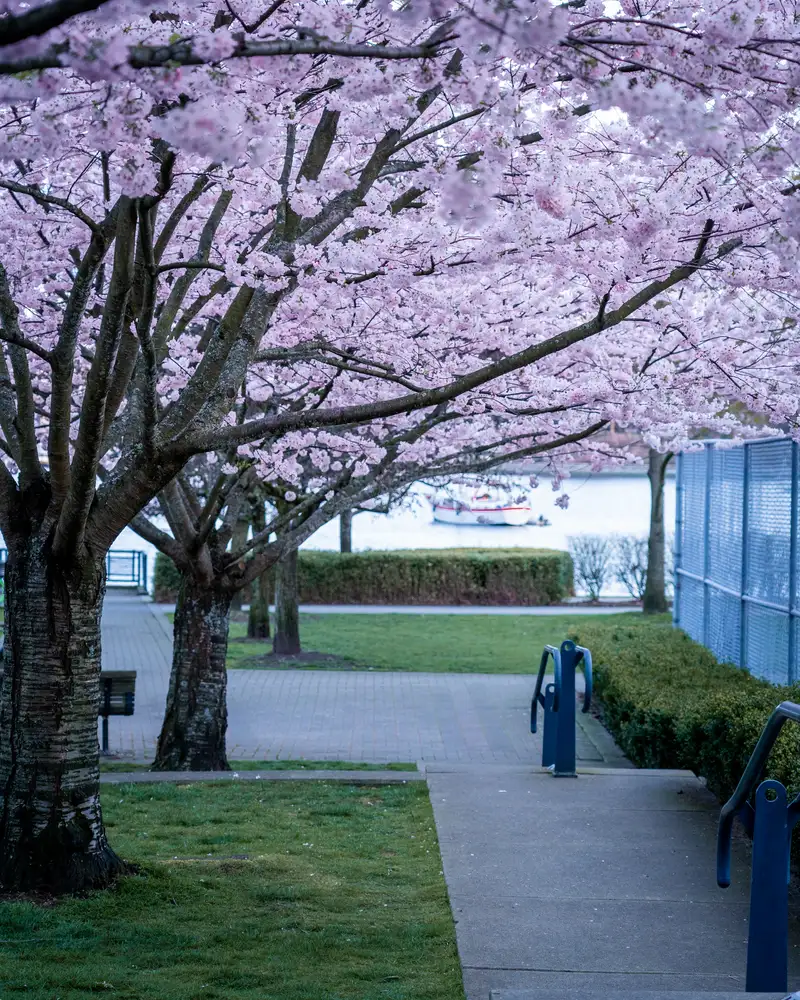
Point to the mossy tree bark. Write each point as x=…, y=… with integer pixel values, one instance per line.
x=195, y=722
x=51, y=828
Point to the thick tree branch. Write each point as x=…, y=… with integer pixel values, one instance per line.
x=25, y=424
x=182, y=53
x=255, y=429
x=63, y=355
x=181, y=287
x=165, y=543
x=205, y=379
x=88, y=447
x=40, y=20
x=9, y=497
x=8, y=410
x=320, y=146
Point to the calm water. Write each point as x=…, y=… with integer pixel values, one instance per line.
x=600, y=505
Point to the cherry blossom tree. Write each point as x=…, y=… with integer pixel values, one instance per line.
x=201, y=515
x=307, y=484
x=213, y=250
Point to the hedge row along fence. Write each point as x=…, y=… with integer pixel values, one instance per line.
x=425, y=576
x=669, y=703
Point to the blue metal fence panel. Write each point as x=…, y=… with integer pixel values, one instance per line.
x=693, y=512
x=737, y=558
x=724, y=625
x=691, y=611
x=769, y=521
x=726, y=515
x=767, y=649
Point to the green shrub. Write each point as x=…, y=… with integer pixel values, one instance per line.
x=669, y=703
x=436, y=576
x=166, y=579
x=420, y=576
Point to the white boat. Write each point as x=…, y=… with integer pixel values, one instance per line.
x=481, y=506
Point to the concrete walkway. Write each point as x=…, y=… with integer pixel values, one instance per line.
x=602, y=883
x=372, y=716
x=540, y=611
x=597, y=888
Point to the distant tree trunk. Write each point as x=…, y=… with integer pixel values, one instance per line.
x=196, y=719
x=237, y=542
x=258, y=618
x=286, y=640
x=346, y=531
x=260, y=589
x=655, y=597
x=51, y=828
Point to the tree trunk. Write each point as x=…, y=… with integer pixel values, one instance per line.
x=286, y=640
x=346, y=531
x=655, y=598
x=258, y=618
x=196, y=719
x=238, y=541
x=51, y=828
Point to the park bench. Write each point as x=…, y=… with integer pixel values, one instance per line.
x=117, y=695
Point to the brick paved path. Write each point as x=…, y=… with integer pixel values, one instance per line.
x=333, y=714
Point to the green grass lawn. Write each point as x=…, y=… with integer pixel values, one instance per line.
x=275, y=765
x=290, y=891
x=491, y=644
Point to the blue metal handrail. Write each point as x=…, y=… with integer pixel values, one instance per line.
x=770, y=823
x=124, y=567
x=738, y=804
x=558, y=702
x=584, y=655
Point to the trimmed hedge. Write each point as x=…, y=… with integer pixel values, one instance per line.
x=669, y=703
x=419, y=576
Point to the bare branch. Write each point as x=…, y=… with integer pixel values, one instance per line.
x=52, y=200
x=173, y=219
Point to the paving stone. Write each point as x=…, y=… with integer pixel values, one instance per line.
x=328, y=715
x=581, y=994
x=479, y=983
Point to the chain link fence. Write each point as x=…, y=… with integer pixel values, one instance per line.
x=736, y=554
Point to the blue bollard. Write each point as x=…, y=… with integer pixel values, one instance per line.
x=550, y=734
x=565, y=739
x=558, y=702
x=768, y=943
